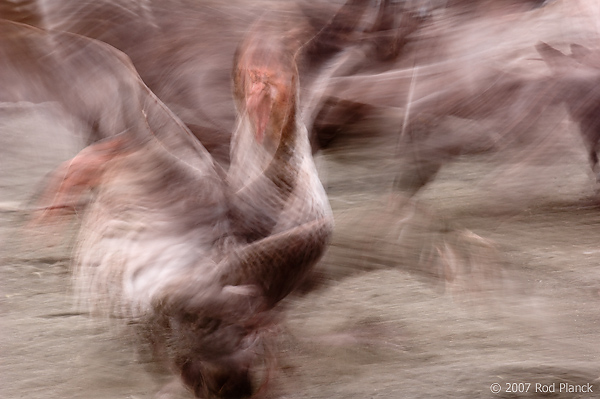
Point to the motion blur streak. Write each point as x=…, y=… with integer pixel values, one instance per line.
x=457, y=143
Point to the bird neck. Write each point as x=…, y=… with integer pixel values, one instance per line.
x=262, y=181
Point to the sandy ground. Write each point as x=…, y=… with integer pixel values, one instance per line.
x=490, y=276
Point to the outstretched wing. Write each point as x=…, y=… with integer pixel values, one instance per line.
x=160, y=205
x=154, y=221
x=160, y=215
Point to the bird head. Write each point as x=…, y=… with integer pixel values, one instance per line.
x=265, y=79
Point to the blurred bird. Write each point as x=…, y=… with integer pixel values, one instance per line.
x=196, y=256
x=575, y=81
x=183, y=49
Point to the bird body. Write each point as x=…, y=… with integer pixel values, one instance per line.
x=197, y=257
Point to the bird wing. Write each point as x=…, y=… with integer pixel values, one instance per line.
x=155, y=220
x=160, y=205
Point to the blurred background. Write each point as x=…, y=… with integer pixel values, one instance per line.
x=458, y=157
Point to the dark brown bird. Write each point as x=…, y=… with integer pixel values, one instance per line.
x=87, y=83
x=183, y=49
x=199, y=258
x=575, y=82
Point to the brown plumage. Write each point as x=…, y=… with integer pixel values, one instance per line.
x=575, y=82
x=196, y=256
x=183, y=49
x=89, y=82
